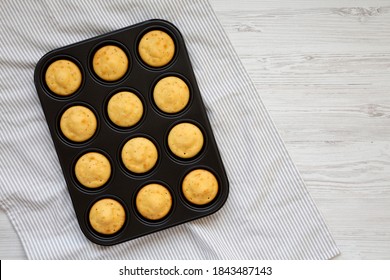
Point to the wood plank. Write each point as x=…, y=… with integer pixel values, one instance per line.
x=322, y=70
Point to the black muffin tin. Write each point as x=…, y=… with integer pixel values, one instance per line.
x=109, y=139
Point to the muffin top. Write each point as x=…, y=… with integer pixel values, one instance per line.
x=200, y=186
x=185, y=140
x=139, y=155
x=107, y=216
x=125, y=109
x=78, y=123
x=171, y=94
x=154, y=201
x=110, y=63
x=156, y=48
x=93, y=170
x=63, y=77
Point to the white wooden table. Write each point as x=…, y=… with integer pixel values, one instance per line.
x=322, y=69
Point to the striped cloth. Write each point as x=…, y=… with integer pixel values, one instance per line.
x=269, y=213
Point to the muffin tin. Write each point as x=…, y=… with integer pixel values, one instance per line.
x=109, y=138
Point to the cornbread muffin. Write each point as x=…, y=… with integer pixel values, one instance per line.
x=185, y=140
x=63, y=77
x=93, y=170
x=139, y=155
x=200, y=187
x=156, y=48
x=171, y=94
x=153, y=201
x=78, y=123
x=125, y=109
x=110, y=63
x=107, y=216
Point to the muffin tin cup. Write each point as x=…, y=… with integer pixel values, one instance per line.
x=199, y=155
x=46, y=88
x=65, y=139
x=83, y=188
x=130, y=173
x=162, y=27
x=100, y=236
x=109, y=139
x=153, y=104
x=159, y=222
x=201, y=207
x=93, y=52
x=107, y=118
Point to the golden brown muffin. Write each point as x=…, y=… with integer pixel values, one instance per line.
x=107, y=216
x=78, y=123
x=125, y=109
x=63, y=77
x=93, y=170
x=154, y=201
x=110, y=63
x=171, y=94
x=185, y=140
x=139, y=155
x=156, y=48
x=200, y=187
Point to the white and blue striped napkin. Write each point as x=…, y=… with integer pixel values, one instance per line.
x=269, y=213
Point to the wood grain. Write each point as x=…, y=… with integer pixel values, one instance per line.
x=322, y=68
